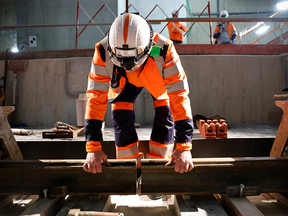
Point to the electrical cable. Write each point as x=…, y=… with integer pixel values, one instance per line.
x=190, y=16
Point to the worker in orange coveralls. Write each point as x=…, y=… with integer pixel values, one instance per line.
x=176, y=30
x=131, y=57
x=225, y=32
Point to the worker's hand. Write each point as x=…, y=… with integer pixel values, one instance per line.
x=230, y=41
x=183, y=161
x=222, y=30
x=93, y=161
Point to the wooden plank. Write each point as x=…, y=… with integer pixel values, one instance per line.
x=75, y=210
x=282, y=133
x=199, y=205
x=45, y=207
x=65, y=132
x=17, y=204
x=6, y=200
x=270, y=204
x=9, y=148
x=238, y=206
x=8, y=109
x=89, y=203
x=280, y=199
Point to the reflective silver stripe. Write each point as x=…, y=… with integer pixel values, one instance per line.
x=179, y=30
x=94, y=85
x=174, y=69
x=127, y=152
x=109, y=68
x=174, y=58
x=159, y=62
x=162, y=151
x=116, y=89
x=178, y=86
x=96, y=69
x=160, y=40
x=231, y=29
x=108, y=63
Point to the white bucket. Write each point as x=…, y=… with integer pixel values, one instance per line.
x=81, y=109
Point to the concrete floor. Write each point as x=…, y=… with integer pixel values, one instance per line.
x=235, y=131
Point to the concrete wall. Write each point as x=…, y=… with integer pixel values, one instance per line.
x=8, y=38
x=239, y=88
x=52, y=12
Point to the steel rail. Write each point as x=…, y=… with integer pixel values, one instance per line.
x=257, y=19
x=210, y=175
x=258, y=175
x=66, y=176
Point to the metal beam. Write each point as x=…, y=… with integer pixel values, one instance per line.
x=242, y=49
x=33, y=177
x=210, y=175
x=252, y=19
x=217, y=176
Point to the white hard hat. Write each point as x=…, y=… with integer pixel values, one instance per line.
x=129, y=40
x=224, y=13
x=174, y=12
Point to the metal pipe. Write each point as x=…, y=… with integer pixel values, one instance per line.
x=210, y=24
x=77, y=27
x=236, y=13
x=91, y=19
x=281, y=19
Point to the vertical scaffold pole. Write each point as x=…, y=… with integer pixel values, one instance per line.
x=210, y=23
x=77, y=27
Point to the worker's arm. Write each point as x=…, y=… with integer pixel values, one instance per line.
x=234, y=35
x=184, y=28
x=177, y=88
x=183, y=161
x=97, y=91
x=94, y=160
x=217, y=32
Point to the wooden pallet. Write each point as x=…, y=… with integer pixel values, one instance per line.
x=63, y=132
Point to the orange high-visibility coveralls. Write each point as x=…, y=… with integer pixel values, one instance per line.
x=177, y=31
x=163, y=76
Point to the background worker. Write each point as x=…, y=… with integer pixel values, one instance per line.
x=225, y=32
x=131, y=57
x=176, y=30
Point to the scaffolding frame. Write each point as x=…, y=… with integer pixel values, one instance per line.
x=91, y=20
x=126, y=10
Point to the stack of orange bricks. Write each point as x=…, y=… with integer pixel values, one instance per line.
x=212, y=129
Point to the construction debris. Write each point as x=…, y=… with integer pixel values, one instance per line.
x=63, y=130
